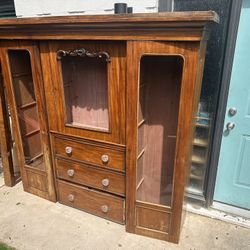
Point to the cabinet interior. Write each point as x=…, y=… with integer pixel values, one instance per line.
x=159, y=91
x=85, y=82
x=26, y=106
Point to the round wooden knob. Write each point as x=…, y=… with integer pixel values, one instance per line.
x=71, y=172
x=68, y=150
x=105, y=182
x=71, y=197
x=104, y=208
x=105, y=158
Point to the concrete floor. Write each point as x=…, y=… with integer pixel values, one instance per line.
x=29, y=222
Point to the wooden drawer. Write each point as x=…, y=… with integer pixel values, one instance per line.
x=89, y=200
x=91, y=176
x=90, y=153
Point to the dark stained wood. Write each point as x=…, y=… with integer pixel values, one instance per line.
x=92, y=201
x=90, y=153
x=91, y=176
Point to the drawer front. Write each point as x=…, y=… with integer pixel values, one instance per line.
x=90, y=153
x=91, y=176
x=101, y=204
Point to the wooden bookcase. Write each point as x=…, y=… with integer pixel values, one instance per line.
x=103, y=112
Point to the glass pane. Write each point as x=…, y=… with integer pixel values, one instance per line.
x=160, y=82
x=211, y=85
x=26, y=105
x=86, y=92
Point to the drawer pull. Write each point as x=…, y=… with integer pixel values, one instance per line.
x=104, y=208
x=71, y=172
x=71, y=197
x=105, y=182
x=68, y=150
x=105, y=158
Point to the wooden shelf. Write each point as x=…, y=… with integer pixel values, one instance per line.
x=141, y=122
x=21, y=74
x=195, y=191
x=67, y=85
x=35, y=158
x=200, y=142
x=141, y=153
x=32, y=133
x=139, y=184
x=198, y=159
x=194, y=197
x=203, y=118
x=142, y=85
x=196, y=177
x=28, y=105
x=200, y=125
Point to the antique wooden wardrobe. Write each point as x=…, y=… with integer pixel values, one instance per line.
x=101, y=111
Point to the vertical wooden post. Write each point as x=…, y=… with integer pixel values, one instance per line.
x=5, y=139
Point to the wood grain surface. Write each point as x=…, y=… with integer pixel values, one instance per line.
x=91, y=176
x=92, y=201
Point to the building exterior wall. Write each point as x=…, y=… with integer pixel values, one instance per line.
x=31, y=8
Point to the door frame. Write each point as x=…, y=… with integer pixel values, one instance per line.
x=222, y=99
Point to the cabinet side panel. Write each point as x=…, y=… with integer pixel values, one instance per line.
x=5, y=138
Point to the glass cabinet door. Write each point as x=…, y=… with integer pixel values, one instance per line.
x=24, y=91
x=159, y=129
x=26, y=106
x=89, y=89
x=159, y=92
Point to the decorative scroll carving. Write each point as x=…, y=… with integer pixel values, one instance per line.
x=82, y=53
